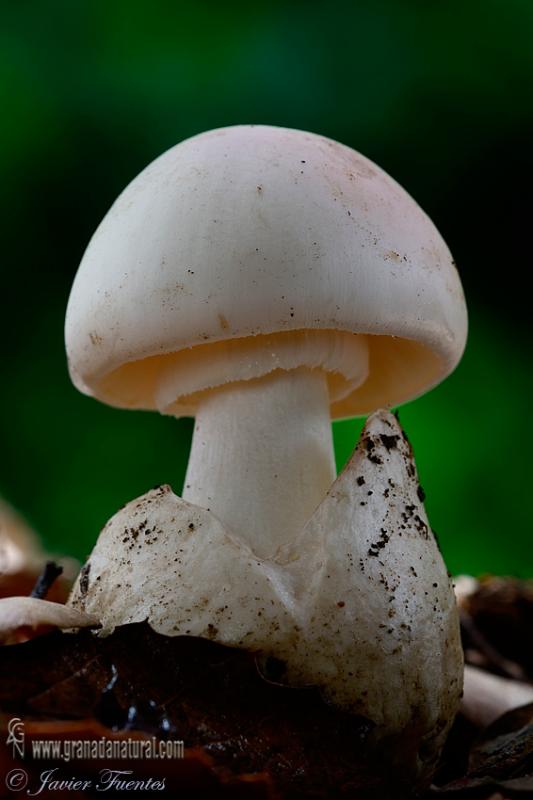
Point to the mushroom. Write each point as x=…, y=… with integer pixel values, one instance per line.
x=22, y=555
x=263, y=280
x=19, y=613
x=487, y=696
x=20, y=548
x=266, y=280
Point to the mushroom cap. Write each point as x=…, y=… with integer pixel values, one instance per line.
x=251, y=248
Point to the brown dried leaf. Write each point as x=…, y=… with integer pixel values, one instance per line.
x=211, y=696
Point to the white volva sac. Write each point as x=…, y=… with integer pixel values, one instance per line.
x=358, y=602
x=266, y=280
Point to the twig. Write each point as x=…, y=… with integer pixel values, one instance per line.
x=46, y=579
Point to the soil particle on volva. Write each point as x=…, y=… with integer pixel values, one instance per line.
x=384, y=538
x=389, y=441
x=370, y=445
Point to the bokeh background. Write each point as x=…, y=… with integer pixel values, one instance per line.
x=437, y=93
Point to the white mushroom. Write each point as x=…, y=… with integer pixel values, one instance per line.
x=29, y=612
x=487, y=696
x=250, y=253
x=20, y=548
x=265, y=280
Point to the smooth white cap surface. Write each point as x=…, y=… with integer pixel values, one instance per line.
x=251, y=248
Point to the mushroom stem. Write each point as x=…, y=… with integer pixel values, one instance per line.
x=486, y=696
x=262, y=456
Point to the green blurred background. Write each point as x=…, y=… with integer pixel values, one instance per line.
x=437, y=93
